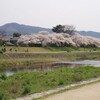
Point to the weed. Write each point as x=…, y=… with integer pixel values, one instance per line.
x=27, y=89
x=3, y=96
x=3, y=76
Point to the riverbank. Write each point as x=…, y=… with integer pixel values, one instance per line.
x=17, y=61
x=24, y=83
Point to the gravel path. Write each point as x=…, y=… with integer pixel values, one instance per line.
x=89, y=92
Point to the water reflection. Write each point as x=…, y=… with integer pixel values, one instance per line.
x=56, y=65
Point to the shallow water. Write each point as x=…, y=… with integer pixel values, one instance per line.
x=56, y=65
x=95, y=63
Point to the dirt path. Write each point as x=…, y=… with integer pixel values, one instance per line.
x=38, y=95
x=89, y=92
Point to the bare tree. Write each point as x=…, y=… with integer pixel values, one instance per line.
x=70, y=29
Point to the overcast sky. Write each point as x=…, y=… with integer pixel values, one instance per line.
x=84, y=14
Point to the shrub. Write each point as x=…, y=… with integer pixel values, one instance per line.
x=1, y=52
x=27, y=89
x=3, y=76
x=61, y=82
x=3, y=97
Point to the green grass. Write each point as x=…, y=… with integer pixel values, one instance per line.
x=24, y=83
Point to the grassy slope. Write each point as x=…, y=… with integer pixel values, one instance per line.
x=38, y=56
x=24, y=83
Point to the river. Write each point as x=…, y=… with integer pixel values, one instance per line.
x=56, y=65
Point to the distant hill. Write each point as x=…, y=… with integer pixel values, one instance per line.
x=10, y=28
x=90, y=33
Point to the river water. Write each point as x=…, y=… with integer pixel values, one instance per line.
x=56, y=65
x=95, y=63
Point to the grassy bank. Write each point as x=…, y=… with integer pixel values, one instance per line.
x=24, y=83
x=32, y=60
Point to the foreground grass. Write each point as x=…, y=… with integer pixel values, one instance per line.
x=24, y=83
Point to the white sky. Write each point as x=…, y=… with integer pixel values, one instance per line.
x=84, y=14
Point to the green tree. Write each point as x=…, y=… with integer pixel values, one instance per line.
x=2, y=42
x=16, y=34
x=69, y=29
x=58, y=29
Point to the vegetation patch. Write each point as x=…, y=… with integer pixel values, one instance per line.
x=24, y=83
